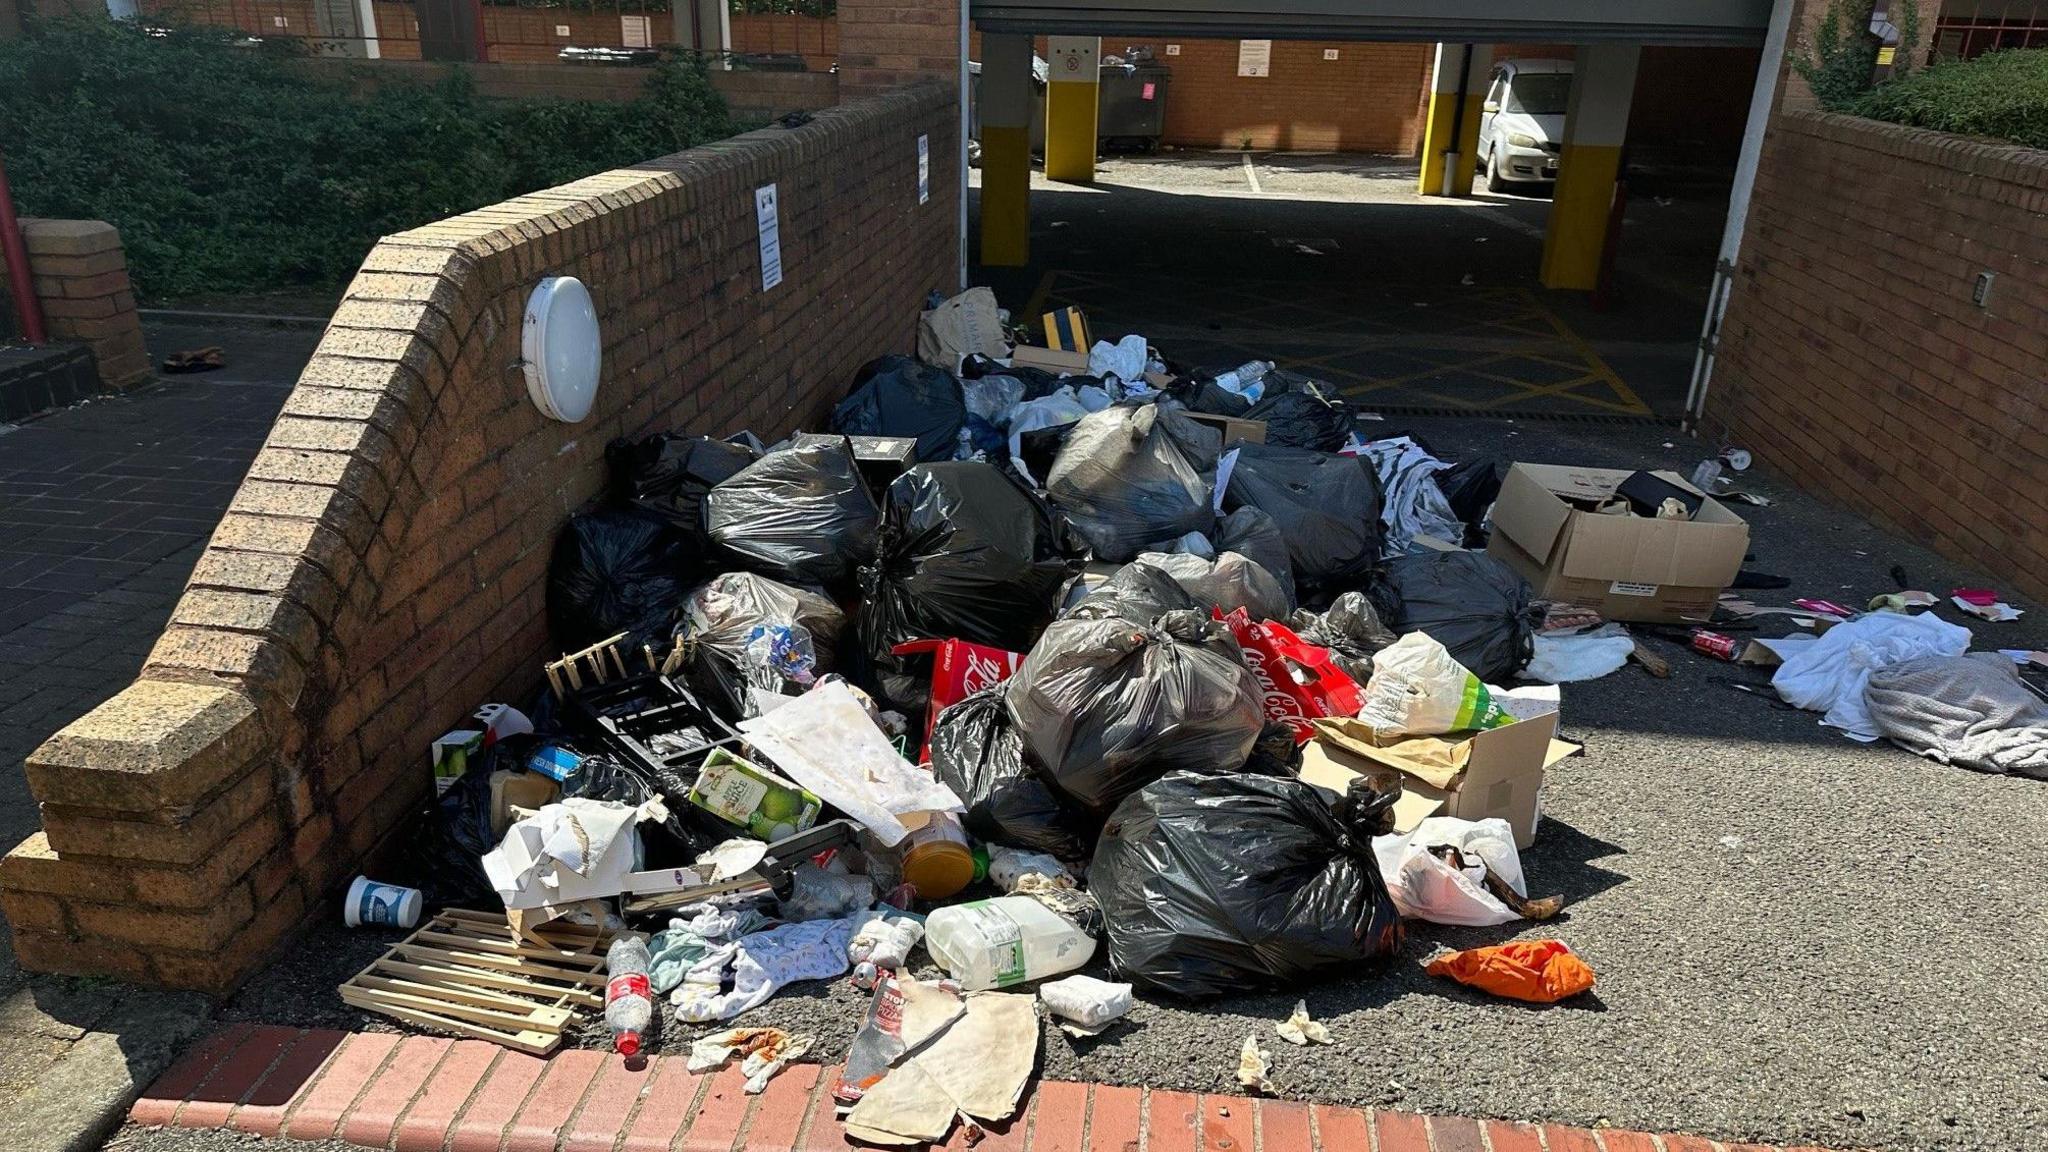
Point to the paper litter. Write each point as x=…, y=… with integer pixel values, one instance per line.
x=1301, y=1031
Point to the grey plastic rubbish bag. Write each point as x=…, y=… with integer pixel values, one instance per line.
x=744, y=631
x=1125, y=479
x=1107, y=705
x=1253, y=535
x=1219, y=883
x=1474, y=605
x=800, y=515
x=1350, y=629
x=976, y=752
x=1228, y=582
x=1326, y=506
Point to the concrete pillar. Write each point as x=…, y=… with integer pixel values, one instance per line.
x=1449, y=139
x=1005, y=104
x=1072, y=92
x=1595, y=127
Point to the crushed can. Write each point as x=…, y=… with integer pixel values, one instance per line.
x=1715, y=644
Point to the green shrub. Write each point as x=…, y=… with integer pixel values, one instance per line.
x=232, y=168
x=2000, y=94
x=1842, y=64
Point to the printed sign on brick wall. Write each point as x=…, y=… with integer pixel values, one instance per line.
x=1254, y=57
x=766, y=216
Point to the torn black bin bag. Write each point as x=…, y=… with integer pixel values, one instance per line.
x=1136, y=593
x=1474, y=605
x=617, y=570
x=964, y=552
x=1216, y=884
x=1350, y=629
x=903, y=396
x=671, y=842
x=1471, y=486
x=668, y=475
x=1132, y=474
x=1106, y=706
x=976, y=752
x=800, y=515
x=1299, y=414
x=1327, y=508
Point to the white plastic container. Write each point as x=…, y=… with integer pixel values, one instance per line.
x=1005, y=941
x=380, y=905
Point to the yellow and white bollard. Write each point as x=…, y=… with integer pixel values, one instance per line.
x=1072, y=90
x=1595, y=127
x=1450, y=148
x=1004, y=103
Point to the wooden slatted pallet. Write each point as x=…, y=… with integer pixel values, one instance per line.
x=469, y=974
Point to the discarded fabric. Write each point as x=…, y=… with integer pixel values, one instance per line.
x=1537, y=971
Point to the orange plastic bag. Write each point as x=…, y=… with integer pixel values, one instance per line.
x=1539, y=971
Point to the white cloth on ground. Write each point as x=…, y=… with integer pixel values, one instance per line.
x=761, y=965
x=1124, y=359
x=1412, y=503
x=1579, y=655
x=1830, y=674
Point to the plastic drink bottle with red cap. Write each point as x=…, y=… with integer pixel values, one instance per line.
x=628, y=998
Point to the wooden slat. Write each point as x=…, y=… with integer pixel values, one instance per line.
x=531, y=1043
x=564, y=956
x=533, y=1018
x=475, y=978
x=484, y=961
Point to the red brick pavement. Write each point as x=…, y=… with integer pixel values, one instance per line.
x=420, y=1094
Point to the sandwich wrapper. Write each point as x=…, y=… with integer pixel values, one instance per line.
x=1470, y=775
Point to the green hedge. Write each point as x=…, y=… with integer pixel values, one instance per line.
x=230, y=168
x=2000, y=94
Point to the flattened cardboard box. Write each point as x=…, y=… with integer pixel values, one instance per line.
x=1498, y=772
x=1050, y=359
x=1625, y=567
x=1235, y=429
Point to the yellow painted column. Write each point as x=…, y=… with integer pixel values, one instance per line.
x=1439, y=148
x=1004, y=103
x=1072, y=91
x=1595, y=127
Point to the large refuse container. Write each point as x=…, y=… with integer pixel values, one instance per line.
x=1131, y=112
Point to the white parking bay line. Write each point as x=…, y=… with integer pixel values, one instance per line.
x=1251, y=174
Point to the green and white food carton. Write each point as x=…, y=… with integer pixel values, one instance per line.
x=749, y=796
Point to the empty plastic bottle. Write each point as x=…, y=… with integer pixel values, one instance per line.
x=628, y=998
x=1009, y=940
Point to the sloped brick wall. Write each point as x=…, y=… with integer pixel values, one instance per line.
x=381, y=572
x=1852, y=358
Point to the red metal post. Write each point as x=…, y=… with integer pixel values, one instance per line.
x=23, y=286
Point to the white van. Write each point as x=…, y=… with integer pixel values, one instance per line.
x=1521, y=125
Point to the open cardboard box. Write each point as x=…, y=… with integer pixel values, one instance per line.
x=1626, y=567
x=1050, y=359
x=1497, y=772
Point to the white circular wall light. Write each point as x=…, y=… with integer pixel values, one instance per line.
x=560, y=348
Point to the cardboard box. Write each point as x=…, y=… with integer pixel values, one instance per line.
x=1498, y=772
x=1050, y=359
x=1625, y=567
x=1236, y=430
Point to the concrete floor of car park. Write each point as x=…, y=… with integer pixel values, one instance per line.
x=1332, y=263
x=1799, y=939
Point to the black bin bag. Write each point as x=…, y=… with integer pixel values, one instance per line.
x=1474, y=605
x=1137, y=594
x=976, y=752
x=800, y=515
x=1326, y=506
x=964, y=552
x=617, y=570
x=667, y=475
x=1219, y=883
x=1298, y=414
x=1126, y=478
x=741, y=631
x=1106, y=705
x=901, y=396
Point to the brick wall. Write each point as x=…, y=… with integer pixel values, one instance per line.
x=1852, y=360
x=813, y=38
x=1370, y=99
x=757, y=95
x=81, y=281
x=885, y=44
x=381, y=571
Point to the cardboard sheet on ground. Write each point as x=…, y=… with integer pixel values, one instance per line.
x=977, y=1067
x=825, y=741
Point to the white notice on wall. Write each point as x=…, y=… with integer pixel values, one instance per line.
x=771, y=236
x=1071, y=59
x=1254, y=57
x=633, y=32
x=924, y=169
